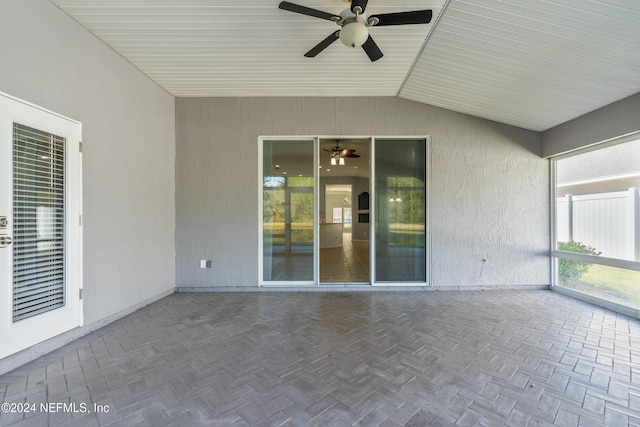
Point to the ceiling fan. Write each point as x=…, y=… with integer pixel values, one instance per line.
x=339, y=154
x=354, y=23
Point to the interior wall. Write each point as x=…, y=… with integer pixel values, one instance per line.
x=335, y=200
x=614, y=120
x=489, y=187
x=129, y=149
x=360, y=230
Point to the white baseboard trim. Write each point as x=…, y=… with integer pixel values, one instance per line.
x=16, y=360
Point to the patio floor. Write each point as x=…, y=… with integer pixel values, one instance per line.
x=477, y=358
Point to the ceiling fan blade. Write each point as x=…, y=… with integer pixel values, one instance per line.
x=292, y=7
x=362, y=4
x=351, y=155
x=372, y=50
x=323, y=44
x=403, y=18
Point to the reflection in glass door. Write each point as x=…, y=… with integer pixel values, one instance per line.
x=288, y=211
x=400, y=210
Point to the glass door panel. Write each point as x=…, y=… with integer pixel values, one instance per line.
x=288, y=211
x=400, y=210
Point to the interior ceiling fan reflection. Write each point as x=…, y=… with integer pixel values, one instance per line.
x=339, y=154
x=354, y=25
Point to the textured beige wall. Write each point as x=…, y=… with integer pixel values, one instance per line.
x=488, y=186
x=129, y=149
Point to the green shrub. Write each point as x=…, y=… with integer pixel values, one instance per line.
x=573, y=270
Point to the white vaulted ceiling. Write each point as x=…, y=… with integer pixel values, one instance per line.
x=530, y=63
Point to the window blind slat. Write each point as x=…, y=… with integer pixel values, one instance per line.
x=33, y=243
x=36, y=293
x=36, y=305
x=35, y=274
x=44, y=305
x=39, y=274
x=39, y=231
x=39, y=267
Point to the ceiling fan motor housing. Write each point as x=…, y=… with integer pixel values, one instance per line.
x=354, y=30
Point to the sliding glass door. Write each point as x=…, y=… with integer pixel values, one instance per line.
x=400, y=226
x=296, y=211
x=288, y=211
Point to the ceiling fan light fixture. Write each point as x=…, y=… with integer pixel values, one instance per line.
x=341, y=161
x=354, y=34
x=333, y=161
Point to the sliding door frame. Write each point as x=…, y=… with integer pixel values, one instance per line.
x=316, y=214
x=316, y=199
x=373, y=213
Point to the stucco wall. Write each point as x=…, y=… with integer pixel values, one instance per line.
x=488, y=186
x=129, y=149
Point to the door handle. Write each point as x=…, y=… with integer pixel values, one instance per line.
x=5, y=240
x=3, y=222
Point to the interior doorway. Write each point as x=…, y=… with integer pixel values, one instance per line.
x=343, y=219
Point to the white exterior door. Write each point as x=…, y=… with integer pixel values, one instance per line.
x=40, y=225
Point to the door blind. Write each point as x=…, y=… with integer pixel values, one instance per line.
x=38, y=218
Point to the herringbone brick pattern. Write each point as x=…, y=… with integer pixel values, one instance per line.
x=486, y=358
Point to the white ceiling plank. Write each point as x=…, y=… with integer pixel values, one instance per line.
x=533, y=64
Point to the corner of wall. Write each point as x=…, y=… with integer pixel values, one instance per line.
x=612, y=121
